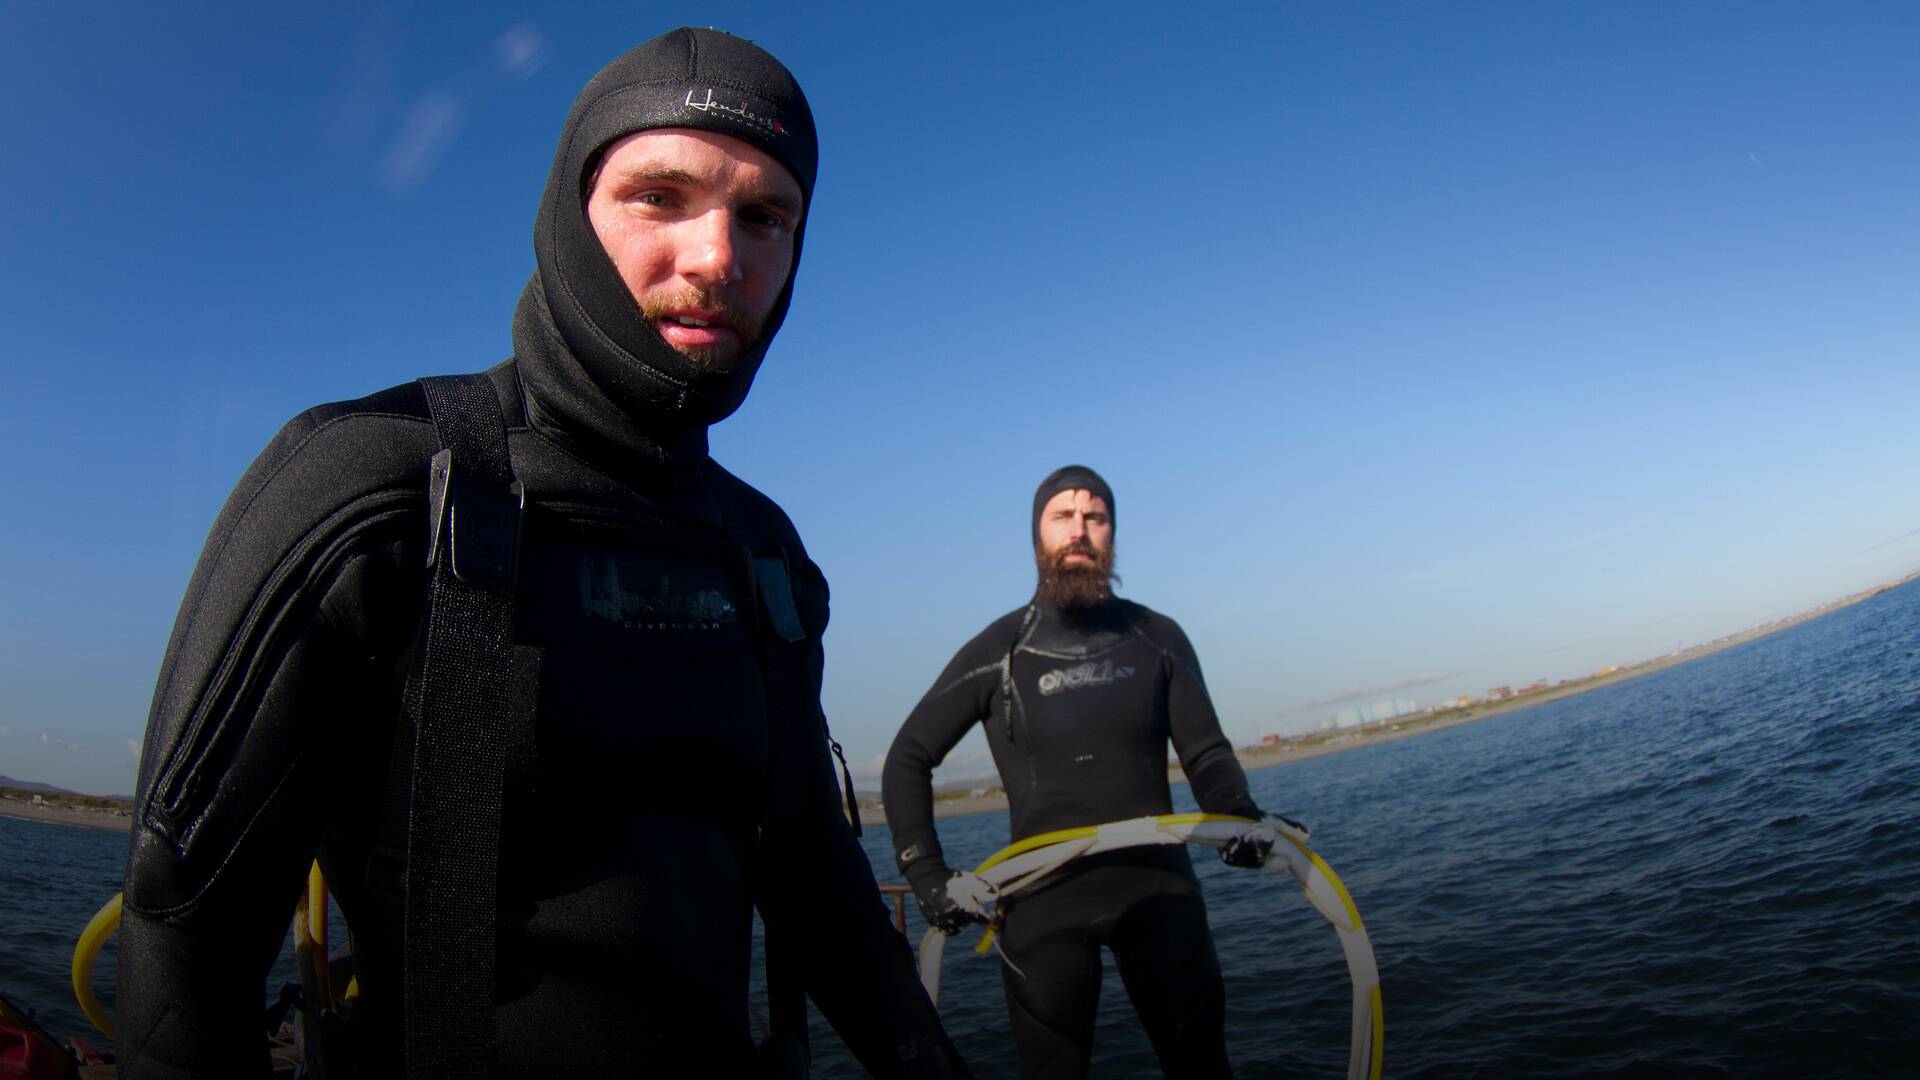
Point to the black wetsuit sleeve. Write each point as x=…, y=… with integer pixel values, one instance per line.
x=961, y=697
x=266, y=664
x=1218, y=782
x=820, y=895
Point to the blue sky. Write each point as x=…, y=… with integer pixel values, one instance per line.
x=1428, y=347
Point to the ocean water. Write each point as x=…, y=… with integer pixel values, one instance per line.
x=1713, y=870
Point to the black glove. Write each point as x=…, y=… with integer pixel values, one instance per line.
x=954, y=902
x=1249, y=850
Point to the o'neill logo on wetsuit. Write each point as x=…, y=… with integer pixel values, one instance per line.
x=1103, y=673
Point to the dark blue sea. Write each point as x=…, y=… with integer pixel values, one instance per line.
x=1713, y=870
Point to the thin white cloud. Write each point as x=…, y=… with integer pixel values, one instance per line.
x=435, y=118
x=1895, y=540
x=429, y=129
x=1361, y=693
x=54, y=741
x=521, y=51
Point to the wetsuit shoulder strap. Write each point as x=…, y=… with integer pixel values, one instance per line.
x=464, y=720
x=780, y=638
x=779, y=628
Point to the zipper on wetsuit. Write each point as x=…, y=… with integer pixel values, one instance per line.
x=180, y=784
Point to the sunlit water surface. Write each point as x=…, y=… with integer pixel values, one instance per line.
x=1713, y=870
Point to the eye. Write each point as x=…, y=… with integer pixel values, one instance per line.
x=766, y=219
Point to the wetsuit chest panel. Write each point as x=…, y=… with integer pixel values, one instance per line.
x=1096, y=731
x=650, y=685
x=627, y=858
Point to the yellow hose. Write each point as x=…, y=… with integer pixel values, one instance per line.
x=317, y=908
x=314, y=948
x=1369, y=1028
x=86, y=952
x=1083, y=832
x=99, y=928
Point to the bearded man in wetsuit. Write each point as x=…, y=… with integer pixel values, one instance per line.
x=672, y=771
x=1080, y=693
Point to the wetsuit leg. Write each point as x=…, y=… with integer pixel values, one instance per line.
x=1052, y=998
x=1165, y=955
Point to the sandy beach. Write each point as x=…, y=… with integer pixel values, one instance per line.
x=64, y=815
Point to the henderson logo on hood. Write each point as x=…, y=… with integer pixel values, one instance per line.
x=705, y=103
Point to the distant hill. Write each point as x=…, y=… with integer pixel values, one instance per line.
x=49, y=789
x=34, y=785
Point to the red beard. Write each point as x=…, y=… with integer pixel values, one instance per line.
x=1076, y=584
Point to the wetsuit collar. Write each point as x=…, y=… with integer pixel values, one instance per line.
x=1078, y=627
x=566, y=405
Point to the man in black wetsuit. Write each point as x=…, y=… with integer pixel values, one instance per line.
x=663, y=758
x=1080, y=692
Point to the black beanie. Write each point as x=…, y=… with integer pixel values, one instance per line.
x=1071, y=478
x=686, y=78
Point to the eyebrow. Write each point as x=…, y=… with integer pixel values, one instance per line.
x=657, y=174
x=667, y=174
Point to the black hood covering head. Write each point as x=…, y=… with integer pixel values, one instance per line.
x=1071, y=478
x=576, y=307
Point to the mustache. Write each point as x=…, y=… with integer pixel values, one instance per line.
x=716, y=300
x=1099, y=563
x=1079, y=584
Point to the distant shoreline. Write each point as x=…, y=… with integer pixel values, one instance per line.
x=119, y=817
x=120, y=820
x=872, y=812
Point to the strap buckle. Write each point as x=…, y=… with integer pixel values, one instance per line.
x=476, y=524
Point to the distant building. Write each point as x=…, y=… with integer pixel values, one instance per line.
x=1499, y=693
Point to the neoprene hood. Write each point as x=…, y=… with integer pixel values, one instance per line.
x=685, y=78
x=1071, y=478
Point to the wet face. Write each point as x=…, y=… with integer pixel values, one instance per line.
x=1075, y=526
x=701, y=228
x=1075, y=555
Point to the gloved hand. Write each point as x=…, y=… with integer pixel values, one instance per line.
x=961, y=899
x=1250, y=848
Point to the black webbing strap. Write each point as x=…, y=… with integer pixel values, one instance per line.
x=780, y=640
x=463, y=720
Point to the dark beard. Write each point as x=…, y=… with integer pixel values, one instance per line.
x=1080, y=585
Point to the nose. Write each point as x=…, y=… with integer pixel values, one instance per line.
x=707, y=251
